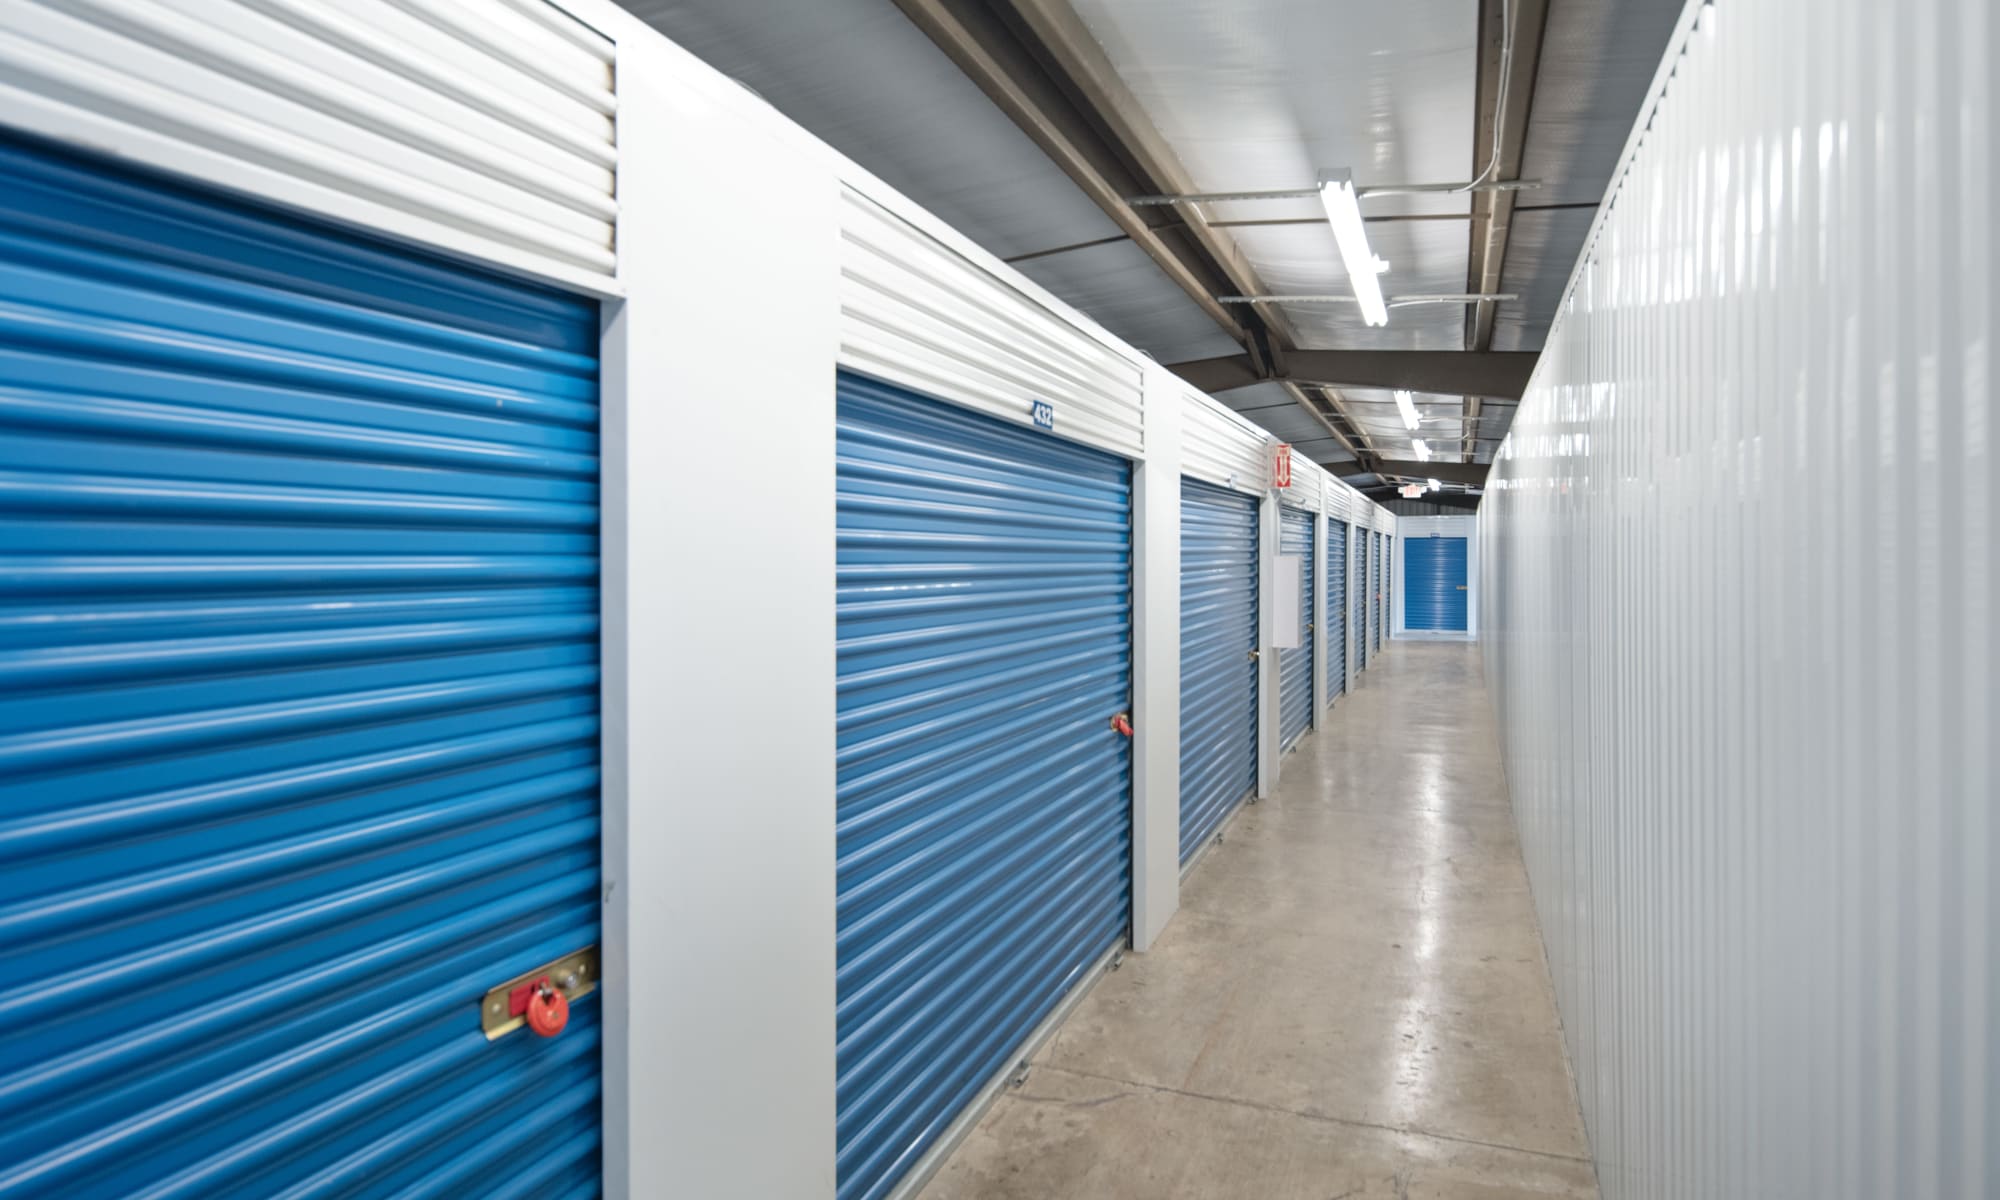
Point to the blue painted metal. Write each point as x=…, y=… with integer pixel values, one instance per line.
x=1295, y=667
x=1336, y=606
x=1218, y=663
x=1361, y=599
x=298, y=702
x=984, y=811
x=1375, y=589
x=1434, y=585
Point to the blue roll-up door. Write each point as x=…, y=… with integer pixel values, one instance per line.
x=1360, y=608
x=298, y=703
x=1295, y=667
x=1375, y=590
x=1434, y=589
x=1336, y=607
x=1218, y=657
x=984, y=811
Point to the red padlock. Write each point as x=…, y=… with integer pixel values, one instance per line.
x=548, y=1009
x=1122, y=724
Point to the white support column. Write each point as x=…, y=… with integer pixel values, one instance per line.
x=1156, y=663
x=718, y=544
x=1267, y=650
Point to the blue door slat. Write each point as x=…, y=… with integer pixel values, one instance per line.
x=1218, y=667
x=298, y=700
x=1336, y=606
x=1360, y=591
x=1434, y=585
x=1295, y=667
x=984, y=617
x=1375, y=590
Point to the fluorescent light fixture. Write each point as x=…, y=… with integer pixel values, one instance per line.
x=1434, y=485
x=1408, y=409
x=1423, y=451
x=1343, y=212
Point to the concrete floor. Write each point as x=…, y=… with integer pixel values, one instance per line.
x=1352, y=1001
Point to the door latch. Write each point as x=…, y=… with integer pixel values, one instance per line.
x=540, y=999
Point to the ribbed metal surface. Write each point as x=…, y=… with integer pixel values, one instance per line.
x=1295, y=667
x=1336, y=607
x=1221, y=446
x=1378, y=545
x=1218, y=672
x=1359, y=565
x=488, y=131
x=984, y=819
x=917, y=312
x=299, y=732
x=1434, y=583
x=1740, y=559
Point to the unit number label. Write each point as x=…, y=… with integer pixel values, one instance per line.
x=1045, y=415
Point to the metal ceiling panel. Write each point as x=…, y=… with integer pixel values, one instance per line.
x=860, y=76
x=1260, y=94
x=1374, y=411
x=1120, y=286
x=1541, y=250
x=1597, y=57
x=1271, y=406
x=1423, y=257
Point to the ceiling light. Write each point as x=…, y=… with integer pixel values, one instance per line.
x=1434, y=485
x=1408, y=409
x=1343, y=212
x=1423, y=451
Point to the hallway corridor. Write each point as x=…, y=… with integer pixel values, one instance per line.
x=1351, y=1002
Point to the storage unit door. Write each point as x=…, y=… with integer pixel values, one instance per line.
x=1218, y=657
x=1360, y=592
x=1336, y=607
x=984, y=800
x=1375, y=589
x=1434, y=589
x=299, y=724
x=1295, y=667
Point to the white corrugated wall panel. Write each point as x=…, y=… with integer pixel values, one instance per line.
x=918, y=313
x=1738, y=557
x=1305, y=490
x=486, y=131
x=1221, y=447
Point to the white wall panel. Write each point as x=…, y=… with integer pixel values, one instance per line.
x=916, y=312
x=487, y=132
x=1305, y=491
x=1739, y=556
x=1221, y=446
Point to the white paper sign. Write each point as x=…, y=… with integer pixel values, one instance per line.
x=1283, y=589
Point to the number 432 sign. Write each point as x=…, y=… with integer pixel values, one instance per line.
x=1044, y=414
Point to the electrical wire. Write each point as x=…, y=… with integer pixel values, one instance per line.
x=1500, y=100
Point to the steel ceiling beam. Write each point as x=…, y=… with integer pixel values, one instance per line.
x=1039, y=64
x=1493, y=212
x=1472, y=474
x=1387, y=495
x=1501, y=375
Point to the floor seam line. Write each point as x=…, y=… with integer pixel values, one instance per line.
x=1257, y=1106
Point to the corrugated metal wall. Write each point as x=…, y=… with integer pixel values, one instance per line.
x=1434, y=584
x=1739, y=557
x=984, y=803
x=298, y=703
x=1336, y=607
x=1218, y=658
x=1295, y=666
